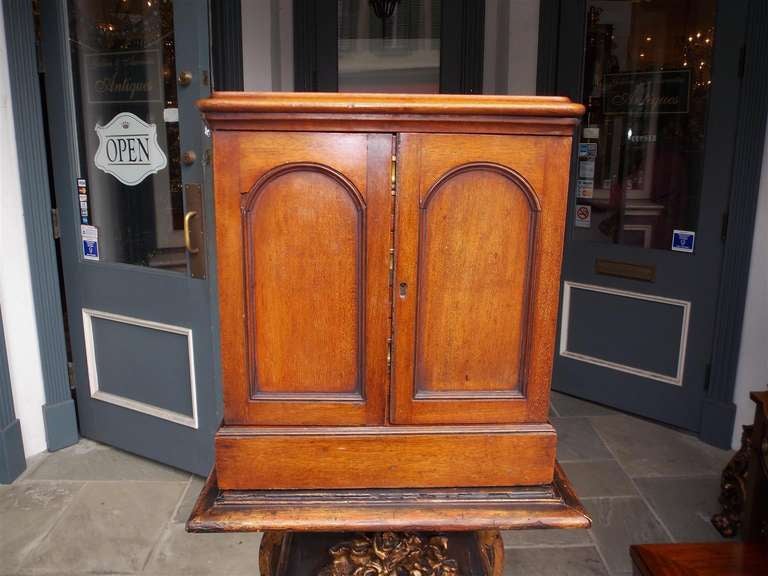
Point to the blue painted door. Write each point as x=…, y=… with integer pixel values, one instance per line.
x=651, y=173
x=129, y=153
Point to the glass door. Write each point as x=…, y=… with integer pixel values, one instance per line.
x=128, y=150
x=643, y=252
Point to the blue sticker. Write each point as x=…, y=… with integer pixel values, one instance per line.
x=90, y=249
x=90, y=238
x=683, y=240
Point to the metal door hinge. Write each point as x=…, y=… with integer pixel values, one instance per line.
x=707, y=376
x=742, y=60
x=71, y=375
x=393, y=175
x=389, y=355
x=55, y=223
x=724, y=226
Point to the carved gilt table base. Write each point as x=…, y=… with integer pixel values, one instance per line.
x=479, y=553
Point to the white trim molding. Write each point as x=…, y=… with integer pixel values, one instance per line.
x=129, y=403
x=677, y=379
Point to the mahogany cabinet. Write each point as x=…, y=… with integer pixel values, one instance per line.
x=388, y=275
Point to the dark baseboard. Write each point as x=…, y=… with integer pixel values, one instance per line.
x=60, y=425
x=717, y=423
x=12, y=460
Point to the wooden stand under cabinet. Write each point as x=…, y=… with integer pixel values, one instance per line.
x=389, y=274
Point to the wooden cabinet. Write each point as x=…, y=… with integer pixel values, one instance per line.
x=388, y=272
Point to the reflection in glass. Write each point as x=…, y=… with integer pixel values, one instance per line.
x=647, y=79
x=124, y=60
x=389, y=46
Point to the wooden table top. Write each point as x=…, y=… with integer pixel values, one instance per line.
x=710, y=559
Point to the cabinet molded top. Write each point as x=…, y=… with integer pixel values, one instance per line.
x=224, y=108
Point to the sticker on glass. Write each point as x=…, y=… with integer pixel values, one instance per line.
x=584, y=188
x=587, y=169
x=89, y=236
x=82, y=196
x=587, y=151
x=128, y=149
x=683, y=240
x=583, y=217
x=591, y=133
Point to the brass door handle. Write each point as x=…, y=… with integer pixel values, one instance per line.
x=187, y=239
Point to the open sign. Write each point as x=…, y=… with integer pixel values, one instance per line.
x=128, y=149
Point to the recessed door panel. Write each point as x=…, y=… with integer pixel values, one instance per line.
x=477, y=227
x=303, y=233
x=478, y=244
x=304, y=256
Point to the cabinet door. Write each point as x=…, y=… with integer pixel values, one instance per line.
x=479, y=235
x=303, y=236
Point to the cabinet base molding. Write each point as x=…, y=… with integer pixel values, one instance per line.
x=551, y=505
x=284, y=458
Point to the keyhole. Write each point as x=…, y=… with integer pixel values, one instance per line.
x=403, y=289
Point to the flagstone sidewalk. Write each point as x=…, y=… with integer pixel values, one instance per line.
x=91, y=509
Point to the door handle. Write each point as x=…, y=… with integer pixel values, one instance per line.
x=194, y=235
x=187, y=236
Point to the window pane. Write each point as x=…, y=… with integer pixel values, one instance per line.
x=647, y=80
x=125, y=80
x=388, y=46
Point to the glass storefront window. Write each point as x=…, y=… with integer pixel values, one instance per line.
x=647, y=80
x=388, y=46
x=125, y=86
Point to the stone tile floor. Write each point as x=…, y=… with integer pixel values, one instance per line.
x=91, y=509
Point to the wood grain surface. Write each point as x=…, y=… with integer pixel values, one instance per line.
x=478, y=241
x=303, y=284
x=705, y=559
x=384, y=457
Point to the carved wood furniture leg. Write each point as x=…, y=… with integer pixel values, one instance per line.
x=492, y=549
x=269, y=552
x=733, y=488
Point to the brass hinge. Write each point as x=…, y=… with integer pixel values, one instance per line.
x=55, y=223
x=393, y=175
x=391, y=266
x=389, y=355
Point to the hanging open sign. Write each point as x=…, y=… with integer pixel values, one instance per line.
x=128, y=149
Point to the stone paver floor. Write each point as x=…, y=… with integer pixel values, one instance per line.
x=91, y=509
